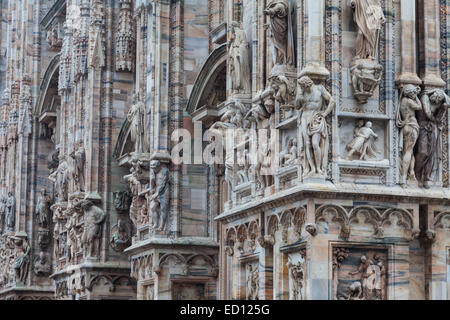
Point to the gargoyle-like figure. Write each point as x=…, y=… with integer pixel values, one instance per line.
x=431, y=120
x=239, y=60
x=409, y=130
x=315, y=103
x=159, y=194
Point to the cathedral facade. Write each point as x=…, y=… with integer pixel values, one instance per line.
x=224, y=149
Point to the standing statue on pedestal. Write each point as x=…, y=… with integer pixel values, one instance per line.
x=314, y=132
x=159, y=194
x=22, y=261
x=431, y=120
x=137, y=118
x=282, y=34
x=10, y=212
x=92, y=234
x=2, y=213
x=239, y=60
x=409, y=130
x=43, y=211
x=366, y=71
x=60, y=178
x=79, y=156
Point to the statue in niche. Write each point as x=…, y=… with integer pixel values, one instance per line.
x=263, y=167
x=11, y=212
x=43, y=211
x=290, y=154
x=252, y=283
x=42, y=265
x=296, y=275
x=60, y=178
x=79, y=157
x=282, y=35
x=409, y=130
x=137, y=117
x=369, y=17
x=431, y=120
x=3, y=201
x=366, y=71
x=159, y=194
x=363, y=144
x=22, y=261
x=239, y=60
x=313, y=126
x=92, y=233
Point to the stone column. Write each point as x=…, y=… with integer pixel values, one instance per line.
x=430, y=27
x=314, y=35
x=408, y=44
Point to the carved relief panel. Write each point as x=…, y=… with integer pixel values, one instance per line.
x=189, y=291
x=360, y=273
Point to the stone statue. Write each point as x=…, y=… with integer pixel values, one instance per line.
x=239, y=60
x=21, y=263
x=281, y=27
x=3, y=201
x=314, y=132
x=363, y=143
x=366, y=71
x=434, y=106
x=296, y=274
x=72, y=239
x=42, y=265
x=79, y=157
x=159, y=194
x=290, y=154
x=137, y=117
x=409, y=130
x=252, y=283
x=369, y=17
x=92, y=233
x=60, y=178
x=11, y=212
x=368, y=272
x=43, y=211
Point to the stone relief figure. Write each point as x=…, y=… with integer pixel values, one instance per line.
x=313, y=126
x=283, y=91
x=121, y=235
x=370, y=286
x=369, y=17
x=159, y=194
x=263, y=172
x=92, y=233
x=43, y=211
x=79, y=157
x=3, y=201
x=239, y=60
x=11, y=212
x=296, y=275
x=363, y=144
x=281, y=28
x=263, y=105
x=366, y=71
x=122, y=200
x=290, y=154
x=72, y=240
x=42, y=265
x=252, y=283
x=409, y=130
x=431, y=119
x=137, y=117
x=22, y=260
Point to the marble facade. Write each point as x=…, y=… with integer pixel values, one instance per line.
x=347, y=198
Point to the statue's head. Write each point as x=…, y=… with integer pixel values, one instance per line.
x=438, y=96
x=154, y=164
x=363, y=259
x=305, y=82
x=369, y=124
x=410, y=91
